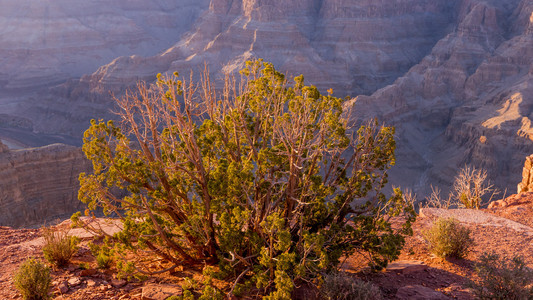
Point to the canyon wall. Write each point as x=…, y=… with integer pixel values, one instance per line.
x=454, y=76
x=469, y=102
x=39, y=184
x=49, y=41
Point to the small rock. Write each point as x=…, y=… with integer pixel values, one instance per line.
x=160, y=291
x=118, y=283
x=406, y=266
x=88, y=272
x=499, y=203
x=91, y=283
x=74, y=281
x=418, y=292
x=62, y=287
x=71, y=268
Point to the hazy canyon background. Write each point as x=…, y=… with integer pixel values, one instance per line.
x=454, y=76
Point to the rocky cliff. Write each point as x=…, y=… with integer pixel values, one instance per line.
x=43, y=42
x=353, y=46
x=39, y=184
x=468, y=102
x=526, y=185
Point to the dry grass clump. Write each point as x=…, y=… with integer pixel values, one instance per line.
x=59, y=247
x=502, y=278
x=340, y=286
x=32, y=280
x=448, y=238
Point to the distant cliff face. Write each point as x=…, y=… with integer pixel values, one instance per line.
x=470, y=101
x=352, y=46
x=454, y=76
x=48, y=41
x=39, y=184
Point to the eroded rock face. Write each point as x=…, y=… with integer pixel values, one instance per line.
x=43, y=42
x=469, y=102
x=352, y=46
x=526, y=185
x=40, y=184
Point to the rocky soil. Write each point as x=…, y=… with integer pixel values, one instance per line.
x=504, y=229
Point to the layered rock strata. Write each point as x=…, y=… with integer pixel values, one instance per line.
x=469, y=102
x=353, y=47
x=44, y=42
x=526, y=185
x=40, y=184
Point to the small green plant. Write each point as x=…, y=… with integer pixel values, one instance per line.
x=211, y=293
x=187, y=295
x=59, y=247
x=448, y=238
x=32, y=280
x=340, y=286
x=501, y=278
x=103, y=255
x=84, y=266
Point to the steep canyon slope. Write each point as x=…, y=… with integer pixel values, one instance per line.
x=468, y=102
x=39, y=184
x=454, y=76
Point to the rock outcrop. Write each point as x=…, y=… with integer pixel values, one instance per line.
x=40, y=184
x=3, y=148
x=526, y=185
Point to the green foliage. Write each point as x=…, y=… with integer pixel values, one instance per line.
x=262, y=179
x=103, y=254
x=59, y=247
x=187, y=295
x=211, y=293
x=32, y=280
x=84, y=266
x=448, y=238
x=340, y=286
x=501, y=278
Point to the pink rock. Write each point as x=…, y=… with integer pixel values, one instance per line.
x=118, y=283
x=160, y=291
x=74, y=281
x=63, y=287
x=91, y=283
